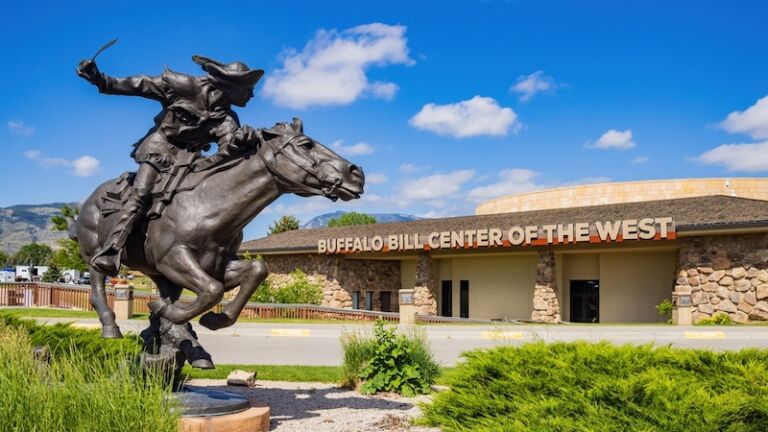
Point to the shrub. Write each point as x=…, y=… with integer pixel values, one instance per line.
x=388, y=362
x=665, y=309
x=720, y=318
x=75, y=392
x=298, y=290
x=602, y=387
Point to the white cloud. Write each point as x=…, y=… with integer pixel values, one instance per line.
x=752, y=121
x=84, y=166
x=750, y=157
x=639, y=160
x=360, y=148
x=376, y=178
x=409, y=168
x=331, y=69
x=436, y=187
x=613, y=139
x=473, y=117
x=528, y=86
x=18, y=127
x=511, y=181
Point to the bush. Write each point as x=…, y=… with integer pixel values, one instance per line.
x=388, y=362
x=720, y=318
x=602, y=387
x=298, y=291
x=665, y=309
x=75, y=392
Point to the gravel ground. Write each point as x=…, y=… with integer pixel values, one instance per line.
x=321, y=407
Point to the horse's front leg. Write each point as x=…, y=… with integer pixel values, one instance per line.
x=181, y=267
x=248, y=275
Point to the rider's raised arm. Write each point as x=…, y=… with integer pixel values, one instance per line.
x=140, y=85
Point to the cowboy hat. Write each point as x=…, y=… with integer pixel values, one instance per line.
x=233, y=73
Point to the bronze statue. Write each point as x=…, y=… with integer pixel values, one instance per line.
x=198, y=206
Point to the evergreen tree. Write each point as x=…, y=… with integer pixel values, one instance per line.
x=52, y=275
x=352, y=218
x=285, y=223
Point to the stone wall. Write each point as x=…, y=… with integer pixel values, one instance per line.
x=424, y=298
x=727, y=274
x=546, y=306
x=339, y=277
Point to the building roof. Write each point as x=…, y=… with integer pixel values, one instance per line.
x=689, y=214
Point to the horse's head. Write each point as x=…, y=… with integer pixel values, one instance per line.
x=305, y=167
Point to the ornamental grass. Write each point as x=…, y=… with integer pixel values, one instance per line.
x=82, y=387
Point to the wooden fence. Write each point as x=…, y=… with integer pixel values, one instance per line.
x=76, y=297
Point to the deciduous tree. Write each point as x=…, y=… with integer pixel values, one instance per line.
x=352, y=218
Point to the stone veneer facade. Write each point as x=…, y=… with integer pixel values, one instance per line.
x=424, y=298
x=339, y=277
x=725, y=273
x=546, y=306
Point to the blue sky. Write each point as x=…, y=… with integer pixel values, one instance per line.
x=443, y=104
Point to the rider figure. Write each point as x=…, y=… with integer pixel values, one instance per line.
x=196, y=111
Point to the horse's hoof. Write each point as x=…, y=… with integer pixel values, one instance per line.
x=215, y=321
x=202, y=364
x=111, y=332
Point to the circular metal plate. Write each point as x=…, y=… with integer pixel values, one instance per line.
x=203, y=401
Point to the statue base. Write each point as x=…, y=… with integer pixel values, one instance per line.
x=205, y=409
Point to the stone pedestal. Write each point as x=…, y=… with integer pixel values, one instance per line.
x=123, y=301
x=407, y=308
x=682, y=310
x=208, y=410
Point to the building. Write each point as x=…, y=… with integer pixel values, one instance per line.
x=585, y=263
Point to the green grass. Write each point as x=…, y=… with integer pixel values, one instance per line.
x=44, y=312
x=602, y=387
x=326, y=374
x=87, y=386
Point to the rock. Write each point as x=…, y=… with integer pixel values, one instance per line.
x=698, y=297
x=540, y=304
x=723, y=292
x=706, y=270
x=714, y=300
x=682, y=274
x=727, y=306
x=710, y=286
x=706, y=308
x=762, y=254
x=750, y=298
x=752, y=272
x=745, y=307
x=758, y=315
x=241, y=378
x=761, y=291
x=682, y=280
x=693, y=281
x=735, y=297
x=762, y=276
x=740, y=317
x=726, y=281
x=692, y=272
x=716, y=276
x=762, y=306
x=742, y=285
x=738, y=272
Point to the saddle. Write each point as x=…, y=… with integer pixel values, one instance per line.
x=186, y=174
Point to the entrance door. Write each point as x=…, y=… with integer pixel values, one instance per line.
x=585, y=301
x=464, y=299
x=446, y=299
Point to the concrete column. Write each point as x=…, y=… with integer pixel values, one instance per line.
x=424, y=290
x=407, y=308
x=123, y=301
x=546, y=305
x=682, y=309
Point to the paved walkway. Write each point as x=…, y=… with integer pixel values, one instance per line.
x=318, y=344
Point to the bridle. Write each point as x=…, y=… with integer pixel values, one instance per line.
x=307, y=164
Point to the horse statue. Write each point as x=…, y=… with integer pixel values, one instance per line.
x=194, y=243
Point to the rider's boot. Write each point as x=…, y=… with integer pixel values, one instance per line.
x=107, y=259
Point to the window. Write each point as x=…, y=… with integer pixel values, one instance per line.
x=369, y=300
x=355, y=299
x=386, y=301
x=464, y=299
x=446, y=299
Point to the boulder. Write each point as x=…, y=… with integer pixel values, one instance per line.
x=726, y=281
x=706, y=308
x=738, y=272
x=745, y=307
x=723, y=292
x=710, y=287
x=241, y=378
x=698, y=298
x=740, y=317
x=742, y=285
x=727, y=306
x=716, y=276
x=750, y=298
x=761, y=291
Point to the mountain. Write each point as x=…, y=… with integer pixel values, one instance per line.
x=22, y=224
x=322, y=220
